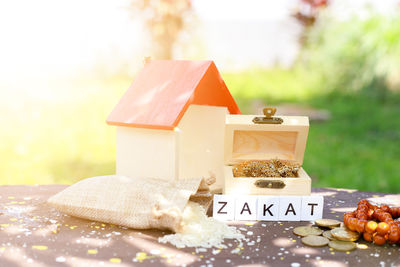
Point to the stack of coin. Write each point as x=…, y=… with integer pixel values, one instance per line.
x=338, y=237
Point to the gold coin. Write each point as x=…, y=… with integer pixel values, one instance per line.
x=342, y=245
x=328, y=235
x=315, y=241
x=345, y=234
x=307, y=230
x=340, y=225
x=327, y=223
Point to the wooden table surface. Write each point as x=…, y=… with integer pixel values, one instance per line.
x=34, y=234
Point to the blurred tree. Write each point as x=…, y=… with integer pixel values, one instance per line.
x=306, y=13
x=165, y=21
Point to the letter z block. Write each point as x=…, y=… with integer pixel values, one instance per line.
x=224, y=207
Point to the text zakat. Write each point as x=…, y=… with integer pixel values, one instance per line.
x=267, y=208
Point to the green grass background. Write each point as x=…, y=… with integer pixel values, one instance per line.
x=359, y=147
x=65, y=140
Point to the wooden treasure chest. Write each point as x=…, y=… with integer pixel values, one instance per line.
x=256, y=147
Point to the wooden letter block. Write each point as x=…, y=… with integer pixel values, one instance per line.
x=246, y=208
x=290, y=208
x=224, y=207
x=312, y=208
x=267, y=208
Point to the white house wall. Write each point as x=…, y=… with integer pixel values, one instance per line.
x=202, y=143
x=145, y=153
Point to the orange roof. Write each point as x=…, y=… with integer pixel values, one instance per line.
x=164, y=89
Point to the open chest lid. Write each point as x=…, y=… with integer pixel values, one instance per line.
x=247, y=140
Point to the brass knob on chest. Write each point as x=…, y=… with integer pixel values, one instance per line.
x=269, y=112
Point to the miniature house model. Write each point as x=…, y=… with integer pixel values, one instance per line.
x=171, y=121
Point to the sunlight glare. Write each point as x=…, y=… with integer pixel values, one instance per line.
x=44, y=40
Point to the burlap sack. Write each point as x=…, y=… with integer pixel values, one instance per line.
x=132, y=202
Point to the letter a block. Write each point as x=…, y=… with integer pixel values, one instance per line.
x=267, y=208
x=312, y=208
x=246, y=208
x=224, y=207
x=290, y=208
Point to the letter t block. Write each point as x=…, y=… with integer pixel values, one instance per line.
x=312, y=208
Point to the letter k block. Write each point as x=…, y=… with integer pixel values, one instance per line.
x=268, y=208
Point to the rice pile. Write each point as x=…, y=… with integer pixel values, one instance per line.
x=198, y=230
